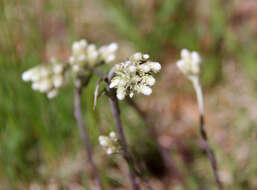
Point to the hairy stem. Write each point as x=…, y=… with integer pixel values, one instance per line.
x=78, y=116
x=203, y=132
x=125, y=154
x=116, y=114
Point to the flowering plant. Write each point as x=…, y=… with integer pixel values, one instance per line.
x=49, y=78
x=110, y=143
x=134, y=76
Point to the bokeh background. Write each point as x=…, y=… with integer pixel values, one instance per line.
x=40, y=147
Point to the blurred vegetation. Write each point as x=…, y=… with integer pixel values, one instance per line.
x=36, y=132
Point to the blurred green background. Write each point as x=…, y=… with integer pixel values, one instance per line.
x=40, y=147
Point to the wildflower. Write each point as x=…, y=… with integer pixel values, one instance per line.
x=110, y=143
x=134, y=76
x=86, y=55
x=189, y=64
x=46, y=78
x=107, y=52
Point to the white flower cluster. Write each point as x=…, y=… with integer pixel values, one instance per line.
x=189, y=64
x=87, y=55
x=134, y=75
x=46, y=78
x=110, y=143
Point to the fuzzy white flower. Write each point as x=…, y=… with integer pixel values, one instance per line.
x=107, y=53
x=87, y=55
x=110, y=143
x=134, y=76
x=47, y=78
x=104, y=141
x=189, y=63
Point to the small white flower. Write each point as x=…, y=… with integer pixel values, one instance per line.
x=36, y=85
x=189, y=63
x=82, y=58
x=155, y=66
x=27, y=76
x=146, y=56
x=134, y=75
x=86, y=55
x=121, y=93
x=44, y=72
x=132, y=69
x=144, y=67
x=114, y=83
x=107, y=52
x=104, y=141
x=113, y=136
x=36, y=76
x=45, y=85
x=149, y=80
x=137, y=56
x=110, y=151
x=112, y=47
x=58, y=80
x=52, y=93
x=46, y=78
x=110, y=58
x=145, y=90
x=110, y=143
x=78, y=48
x=57, y=69
x=75, y=68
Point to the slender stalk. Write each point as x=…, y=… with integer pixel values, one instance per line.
x=78, y=116
x=203, y=132
x=134, y=174
x=116, y=114
x=125, y=154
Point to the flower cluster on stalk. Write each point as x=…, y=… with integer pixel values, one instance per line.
x=134, y=76
x=86, y=55
x=110, y=143
x=189, y=64
x=47, y=78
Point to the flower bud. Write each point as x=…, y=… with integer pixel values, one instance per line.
x=45, y=85
x=52, y=93
x=149, y=80
x=57, y=80
x=121, y=93
x=155, y=66
x=26, y=76
x=109, y=143
x=189, y=63
x=134, y=75
x=146, y=90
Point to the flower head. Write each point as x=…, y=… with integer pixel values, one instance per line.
x=87, y=55
x=107, y=52
x=110, y=143
x=189, y=63
x=134, y=76
x=46, y=78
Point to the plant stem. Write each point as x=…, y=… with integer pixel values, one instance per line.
x=125, y=154
x=116, y=114
x=203, y=132
x=133, y=172
x=78, y=116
